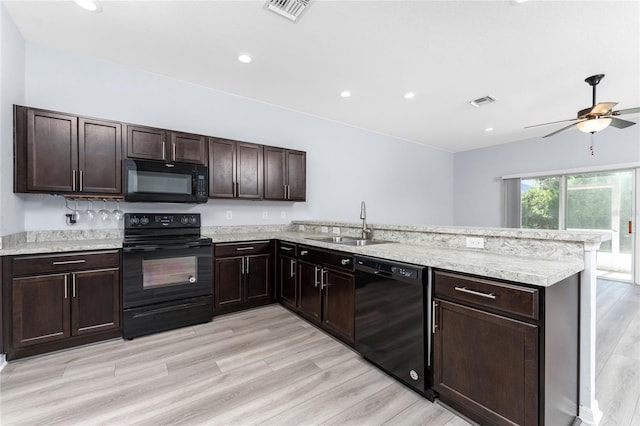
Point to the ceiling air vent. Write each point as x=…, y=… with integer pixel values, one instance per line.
x=485, y=100
x=290, y=9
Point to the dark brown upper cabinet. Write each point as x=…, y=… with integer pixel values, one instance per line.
x=165, y=145
x=235, y=169
x=63, y=153
x=285, y=174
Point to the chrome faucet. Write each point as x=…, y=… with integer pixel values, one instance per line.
x=367, y=233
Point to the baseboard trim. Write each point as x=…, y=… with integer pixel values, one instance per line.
x=590, y=415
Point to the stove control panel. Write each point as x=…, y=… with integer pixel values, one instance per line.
x=161, y=220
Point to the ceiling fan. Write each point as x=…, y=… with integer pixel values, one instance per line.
x=596, y=118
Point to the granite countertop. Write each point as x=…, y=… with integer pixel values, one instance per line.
x=535, y=271
x=61, y=246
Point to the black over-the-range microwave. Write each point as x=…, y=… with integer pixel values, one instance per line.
x=159, y=181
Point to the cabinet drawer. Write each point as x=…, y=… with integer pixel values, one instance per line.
x=287, y=249
x=241, y=249
x=508, y=298
x=336, y=259
x=29, y=265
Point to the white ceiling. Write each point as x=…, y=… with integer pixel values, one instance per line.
x=533, y=57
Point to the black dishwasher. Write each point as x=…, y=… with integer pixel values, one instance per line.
x=392, y=320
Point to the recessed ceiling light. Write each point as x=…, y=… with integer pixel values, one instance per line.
x=409, y=95
x=345, y=93
x=489, y=129
x=245, y=59
x=89, y=5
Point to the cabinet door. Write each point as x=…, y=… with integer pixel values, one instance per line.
x=40, y=309
x=146, y=142
x=188, y=148
x=52, y=152
x=95, y=301
x=222, y=168
x=310, y=302
x=227, y=284
x=257, y=277
x=287, y=276
x=274, y=176
x=296, y=175
x=100, y=156
x=486, y=364
x=249, y=170
x=339, y=309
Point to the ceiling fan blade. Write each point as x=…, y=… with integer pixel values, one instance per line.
x=603, y=107
x=561, y=130
x=552, y=122
x=620, y=124
x=627, y=111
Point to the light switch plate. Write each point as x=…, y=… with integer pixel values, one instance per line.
x=265, y=215
x=283, y=214
x=324, y=229
x=229, y=215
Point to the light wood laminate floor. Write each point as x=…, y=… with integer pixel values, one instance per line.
x=267, y=366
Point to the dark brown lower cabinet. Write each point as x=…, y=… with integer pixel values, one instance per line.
x=52, y=302
x=326, y=290
x=242, y=276
x=505, y=354
x=287, y=274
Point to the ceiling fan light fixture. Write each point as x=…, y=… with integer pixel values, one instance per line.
x=594, y=125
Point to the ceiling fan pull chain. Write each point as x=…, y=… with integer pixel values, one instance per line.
x=591, y=147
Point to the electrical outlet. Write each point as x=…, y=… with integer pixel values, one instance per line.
x=265, y=215
x=475, y=242
x=324, y=229
x=283, y=214
x=336, y=230
x=300, y=227
x=229, y=215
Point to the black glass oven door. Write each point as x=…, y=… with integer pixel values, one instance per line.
x=164, y=273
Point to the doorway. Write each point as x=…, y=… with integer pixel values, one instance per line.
x=590, y=201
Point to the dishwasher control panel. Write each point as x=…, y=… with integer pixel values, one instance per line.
x=388, y=268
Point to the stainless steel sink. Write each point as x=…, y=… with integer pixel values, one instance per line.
x=348, y=241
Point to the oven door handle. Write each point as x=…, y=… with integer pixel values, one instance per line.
x=154, y=247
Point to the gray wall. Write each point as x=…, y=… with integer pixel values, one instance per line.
x=478, y=183
x=402, y=182
x=12, y=74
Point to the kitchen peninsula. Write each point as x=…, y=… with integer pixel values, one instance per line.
x=536, y=259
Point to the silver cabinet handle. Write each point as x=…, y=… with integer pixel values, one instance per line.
x=316, y=276
x=242, y=269
x=304, y=252
x=244, y=248
x=475, y=293
x=69, y=262
x=73, y=180
x=323, y=279
x=248, y=258
x=163, y=148
x=345, y=261
x=73, y=283
x=287, y=248
x=81, y=180
x=66, y=286
x=173, y=151
x=293, y=268
x=434, y=307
